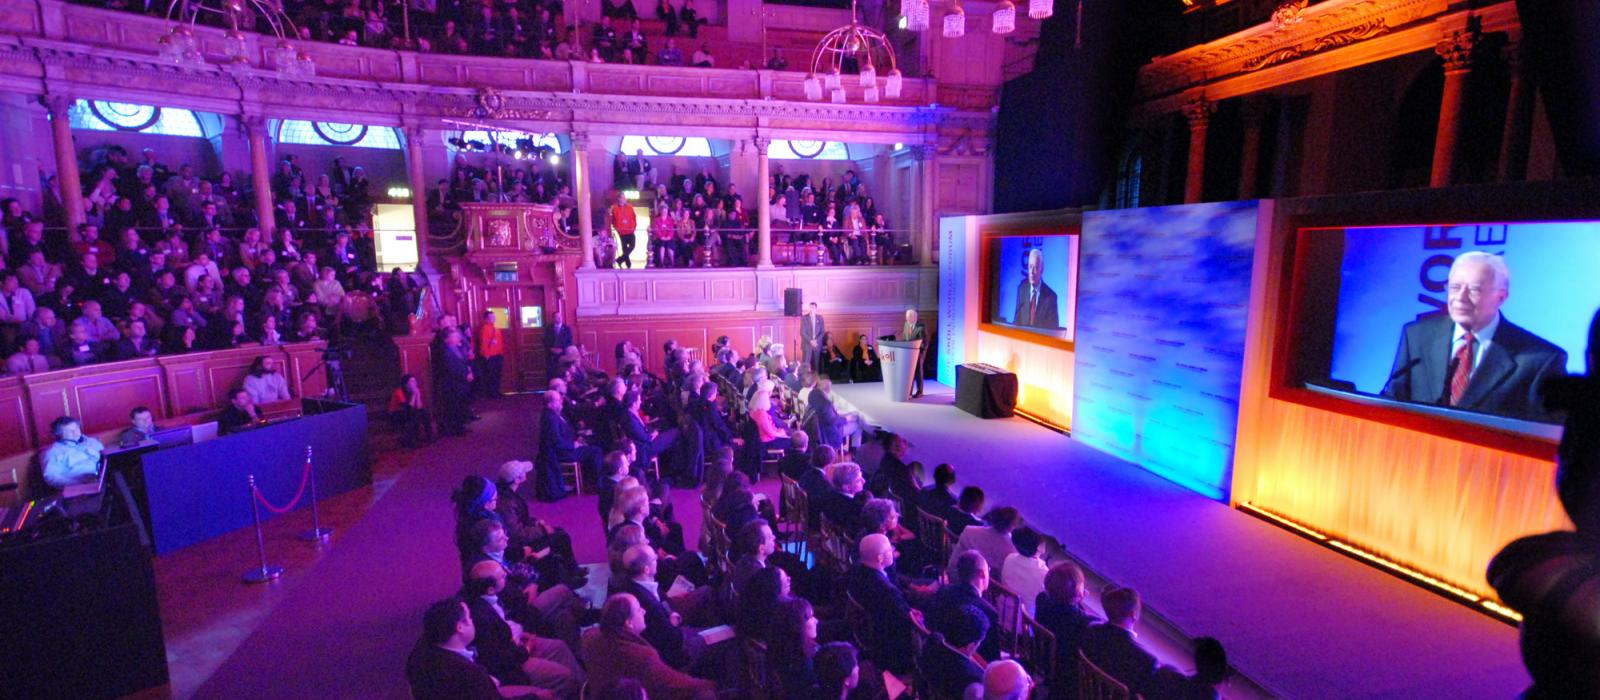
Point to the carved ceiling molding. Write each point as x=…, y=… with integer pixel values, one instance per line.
x=1295, y=32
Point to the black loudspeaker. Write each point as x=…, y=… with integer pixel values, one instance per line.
x=792, y=302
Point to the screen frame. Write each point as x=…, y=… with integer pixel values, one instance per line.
x=989, y=238
x=1294, y=354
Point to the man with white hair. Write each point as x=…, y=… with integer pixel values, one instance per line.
x=1003, y=680
x=914, y=330
x=1036, y=301
x=1472, y=357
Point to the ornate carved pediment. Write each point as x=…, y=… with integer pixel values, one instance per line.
x=1295, y=31
x=490, y=104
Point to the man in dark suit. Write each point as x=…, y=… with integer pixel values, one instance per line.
x=1036, y=301
x=968, y=581
x=890, y=630
x=661, y=628
x=557, y=338
x=914, y=330
x=1110, y=644
x=1472, y=357
x=558, y=442
x=812, y=326
x=441, y=666
x=512, y=655
x=948, y=661
x=240, y=414
x=715, y=432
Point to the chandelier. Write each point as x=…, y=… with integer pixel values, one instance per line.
x=954, y=24
x=182, y=47
x=871, y=52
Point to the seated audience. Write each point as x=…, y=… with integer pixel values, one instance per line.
x=265, y=383
x=676, y=645
x=1006, y=680
x=968, y=506
x=558, y=444
x=240, y=414
x=142, y=425
x=29, y=359
x=408, y=414
x=1060, y=609
x=615, y=649
x=1024, y=570
x=512, y=655
x=969, y=578
x=838, y=672
x=792, y=647
x=443, y=665
x=551, y=546
x=74, y=458
x=892, y=620
x=1111, y=646
x=949, y=660
x=992, y=541
x=1210, y=672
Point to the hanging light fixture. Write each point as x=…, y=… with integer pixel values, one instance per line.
x=183, y=47
x=916, y=13
x=955, y=22
x=867, y=48
x=1041, y=9
x=1005, y=18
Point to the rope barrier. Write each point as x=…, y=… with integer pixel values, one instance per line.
x=305, y=476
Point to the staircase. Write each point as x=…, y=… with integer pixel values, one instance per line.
x=371, y=370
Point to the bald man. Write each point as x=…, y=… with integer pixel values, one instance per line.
x=1471, y=357
x=1006, y=680
x=1036, y=301
x=513, y=655
x=869, y=584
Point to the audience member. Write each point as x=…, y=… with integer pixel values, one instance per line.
x=969, y=578
x=615, y=649
x=1111, y=646
x=443, y=665
x=74, y=458
x=1024, y=570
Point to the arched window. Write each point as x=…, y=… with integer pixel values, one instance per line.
x=687, y=146
x=337, y=134
x=100, y=115
x=1129, y=175
x=783, y=149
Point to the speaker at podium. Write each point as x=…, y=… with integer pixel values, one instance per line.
x=899, y=360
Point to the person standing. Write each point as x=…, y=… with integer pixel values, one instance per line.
x=557, y=338
x=454, y=384
x=626, y=223
x=914, y=330
x=812, y=326
x=491, y=355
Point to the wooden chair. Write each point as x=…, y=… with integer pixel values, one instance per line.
x=935, y=533
x=571, y=477
x=793, y=507
x=773, y=457
x=1095, y=684
x=1009, y=605
x=714, y=543
x=1036, y=650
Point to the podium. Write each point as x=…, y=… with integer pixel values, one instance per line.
x=899, y=363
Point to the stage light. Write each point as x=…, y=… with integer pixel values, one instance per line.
x=400, y=192
x=630, y=195
x=555, y=159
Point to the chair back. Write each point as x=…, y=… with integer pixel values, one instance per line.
x=1009, y=605
x=1095, y=684
x=793, y=505
x=1036, y=650
x=935, y=533
x=714, y=542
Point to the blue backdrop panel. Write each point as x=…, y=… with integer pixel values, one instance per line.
x=199, y=491
x=1010, y=262
x=1163, y=298
x=1391, y=275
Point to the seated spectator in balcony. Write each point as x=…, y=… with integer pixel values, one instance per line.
x=209, y=216
x=45, y=327
x=267, y=332
x=28, y=359
x=595, y=56
x=180, y=339
x=635, y=40
x=669, y=15
x=265, y=383
x=619, y=10
x=287, y=246
x=122, y=215
x=118, y=298
x=215, y=247
x=63, y=300
x=201, y=266
x=38, y=275
x=663, y=236
x=241, y=412
x=74, y=458
x=349, y=39
x=136, y=344
x=99, y=329
x=670, y=54
x=182, y=187
x=566, y=49
x=690, y=18
x=89, y=279
x=687, y=238
x=308, y=326
x=29, y=242
x=305, y=273
x=604, y=39
x=450, y=40
x=329, y=291
x=443, y=665
x=1111, y=644
x=16, y=307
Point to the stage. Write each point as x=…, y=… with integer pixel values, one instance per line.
x=1297, y=619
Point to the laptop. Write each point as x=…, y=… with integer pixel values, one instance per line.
x=88, y=488
x=204, y=431
x=173, y=437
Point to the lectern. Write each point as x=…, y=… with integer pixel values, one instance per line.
x=899, y=363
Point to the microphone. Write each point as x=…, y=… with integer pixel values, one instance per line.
x=1449, y=372
x=1413, y=362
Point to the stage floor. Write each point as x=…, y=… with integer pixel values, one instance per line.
x=1297, y=619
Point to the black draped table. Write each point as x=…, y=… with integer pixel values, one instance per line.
x=986, y=391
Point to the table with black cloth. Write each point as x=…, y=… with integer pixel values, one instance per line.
x=986, y=391
x=192, y=493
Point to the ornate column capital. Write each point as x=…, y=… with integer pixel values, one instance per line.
x=761, y=143
x=253, y=124
x=1460, y=48
x=580, y=140
x=920, y=153
x=1198, y=112
x=413, y=131
x=57, y=104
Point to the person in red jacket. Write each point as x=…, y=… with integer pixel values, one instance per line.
x=491, y=355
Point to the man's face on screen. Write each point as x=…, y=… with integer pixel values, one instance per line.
x=1035, y=268
x=1475, y=295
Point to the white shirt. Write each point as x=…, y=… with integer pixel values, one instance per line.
x=1024, y=576
x=1484, y=338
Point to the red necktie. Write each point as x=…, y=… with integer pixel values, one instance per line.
x=1033, y=299
x=1463, y=375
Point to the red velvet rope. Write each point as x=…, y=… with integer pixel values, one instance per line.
x=305, y=477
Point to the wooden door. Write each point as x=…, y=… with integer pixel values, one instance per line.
x=519, y=313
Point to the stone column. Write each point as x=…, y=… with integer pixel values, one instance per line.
x=255, y=131
x=67, y=175
x=763, y=202
x=580, y=189
x=1519, y=120
x=923, y=226
x=1198, y=113
x=1252, y=112
x=1457, y=51
x=417, y=180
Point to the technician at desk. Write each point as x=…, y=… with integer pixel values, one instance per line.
x=240, y=414
x=73, y=458
x=142, y=427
